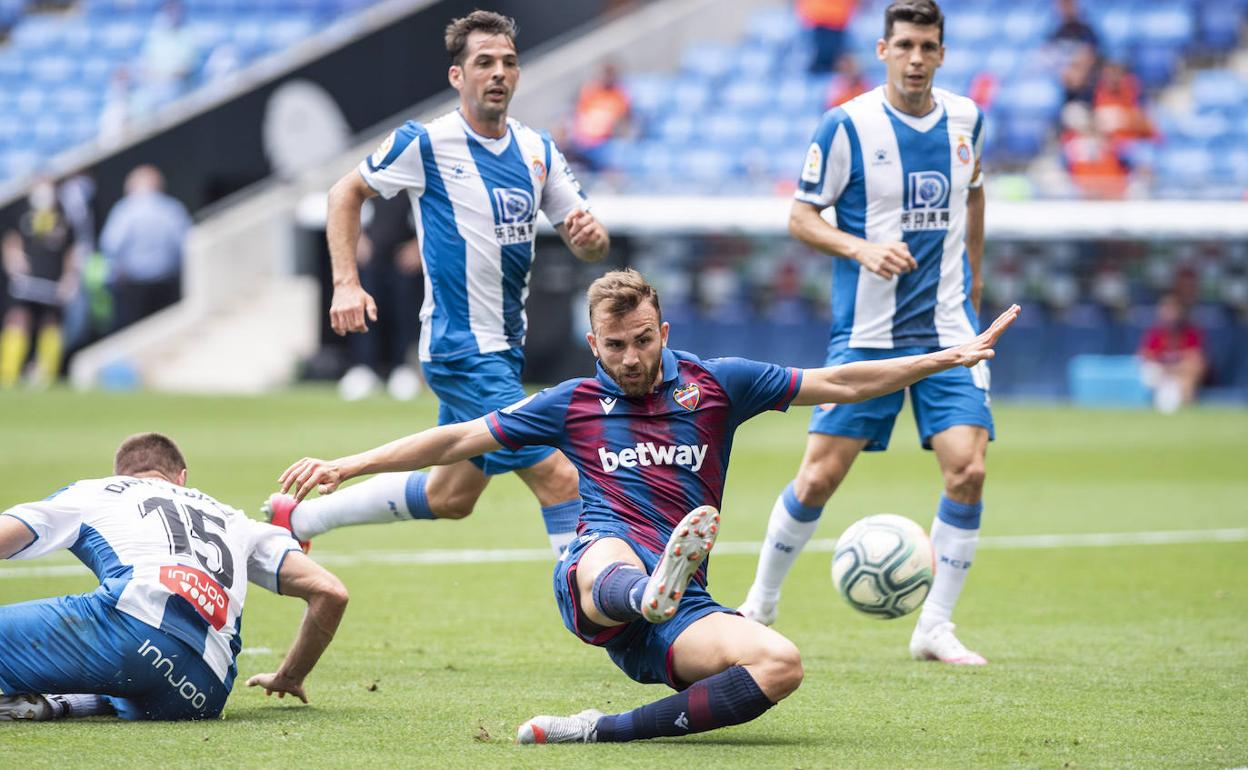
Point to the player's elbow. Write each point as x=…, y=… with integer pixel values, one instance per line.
x=331, y=594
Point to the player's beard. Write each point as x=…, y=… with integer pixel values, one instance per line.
x=635, y=387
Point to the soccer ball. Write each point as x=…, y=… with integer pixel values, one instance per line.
x=883, y=565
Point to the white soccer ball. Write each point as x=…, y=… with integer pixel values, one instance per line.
x=883, y=565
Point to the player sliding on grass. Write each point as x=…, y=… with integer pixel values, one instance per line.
x=650, y=436
x=158, y=639
x=476, y=179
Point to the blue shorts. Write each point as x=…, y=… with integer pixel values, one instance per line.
x=642, y=650
x=474, y=386
x=84, y=644
x=957, y=396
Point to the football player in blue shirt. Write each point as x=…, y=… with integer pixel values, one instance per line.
x=901, y=167
x=650, y=436
x=477, y=180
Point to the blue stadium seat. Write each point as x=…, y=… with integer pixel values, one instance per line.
x=1170, y=25
x=1219, y=24
x=1218, y=90
x=1155, y=64
x=969, y=28
x=708, y=60
x=745, y=94
x=755, y=62
x=773, y=26
x=122, y=36
x=1033, y=96
x=690, y=94
x=54, y=70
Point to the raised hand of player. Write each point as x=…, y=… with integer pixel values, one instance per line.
x=300, y=478
x=981, y=348
x=586, y=235
x=885, y=259
x=276, y=683
x=352, y=307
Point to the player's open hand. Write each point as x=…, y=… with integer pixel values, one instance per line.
x=981, y=348
x=351, y=309
x=586, y=235
x=886, y=259
x=276, y=683
x=300, y=478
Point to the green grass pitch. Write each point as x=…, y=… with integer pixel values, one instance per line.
x=1101, y=657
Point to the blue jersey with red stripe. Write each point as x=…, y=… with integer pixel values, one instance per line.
x=645, y=462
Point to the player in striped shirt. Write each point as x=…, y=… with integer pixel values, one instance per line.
x=159, y=638
x=900, y=166
x=476, y=180
x=650, y=435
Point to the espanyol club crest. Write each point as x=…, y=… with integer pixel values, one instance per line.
x=688, y=396
x=964, y=150
x=539, y=169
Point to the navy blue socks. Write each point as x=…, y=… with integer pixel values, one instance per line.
x=730, y=697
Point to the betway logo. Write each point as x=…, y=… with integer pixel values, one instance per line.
x=645, y=454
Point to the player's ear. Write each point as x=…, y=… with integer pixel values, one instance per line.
x=881, y=46
x=455, y=75
x=663, y=329
x=593, y=343
x=181, y=478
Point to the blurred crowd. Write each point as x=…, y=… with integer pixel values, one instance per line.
x=66, y=287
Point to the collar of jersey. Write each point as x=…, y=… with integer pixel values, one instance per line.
x=495, y=146
x=670, y=371
x=923, y=123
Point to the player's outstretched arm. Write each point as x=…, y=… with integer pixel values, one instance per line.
x=584, y=236
x=352, y=307
x=327, y=601
x=14, y=536
x=862, y=380
x=442, y=445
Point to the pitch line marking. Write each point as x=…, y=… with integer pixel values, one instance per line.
x=511, y=555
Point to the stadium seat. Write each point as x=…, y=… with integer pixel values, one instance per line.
x=708, y=60
x=1219, y=23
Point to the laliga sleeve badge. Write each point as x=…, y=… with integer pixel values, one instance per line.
x=812, y=169
x=382, y=150
x=688, y=396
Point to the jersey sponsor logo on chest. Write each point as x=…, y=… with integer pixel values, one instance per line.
x=204, y=594
x=515, y=215
x=646, y=453
x=927, y=202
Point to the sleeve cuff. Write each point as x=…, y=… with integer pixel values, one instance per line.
x=496, y=430
x=795, y=384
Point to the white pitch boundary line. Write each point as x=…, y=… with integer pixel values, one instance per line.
x=511, y=555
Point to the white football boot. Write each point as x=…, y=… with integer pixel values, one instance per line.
x=578, y=728
x=760, y=609
x=940, y=644
x=686, y=549
x=25, y=706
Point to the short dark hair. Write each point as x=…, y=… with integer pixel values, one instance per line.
x=924, y=13
x=621, y=292
x=491, y=23
x=144, y=452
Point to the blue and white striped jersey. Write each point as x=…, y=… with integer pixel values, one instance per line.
x=896, y=177
x=475, y=202
x=168, y=555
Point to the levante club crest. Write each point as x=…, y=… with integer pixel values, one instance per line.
x=688, y=396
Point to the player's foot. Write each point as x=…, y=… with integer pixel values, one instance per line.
x=578, y=728
x=403, y=384
x=358, y=383
x=686, y=549
x=25, y=706
x=760, y=609
x=277, y=510
x=939, y=643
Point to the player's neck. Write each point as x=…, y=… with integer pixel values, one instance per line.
x=489, y=127
x=918, y=106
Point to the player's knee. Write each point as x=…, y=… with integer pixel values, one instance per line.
x=780, y=671
x=816, y=482
x=967, y=479
x=452, y=503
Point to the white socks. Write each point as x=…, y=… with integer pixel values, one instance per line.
x=379, y=500
x=786, y=537
x=954, y=550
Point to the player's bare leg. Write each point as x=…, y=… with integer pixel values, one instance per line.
x=961, y=451
x=795, y=516
x=556, y=485
x=738, y=668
